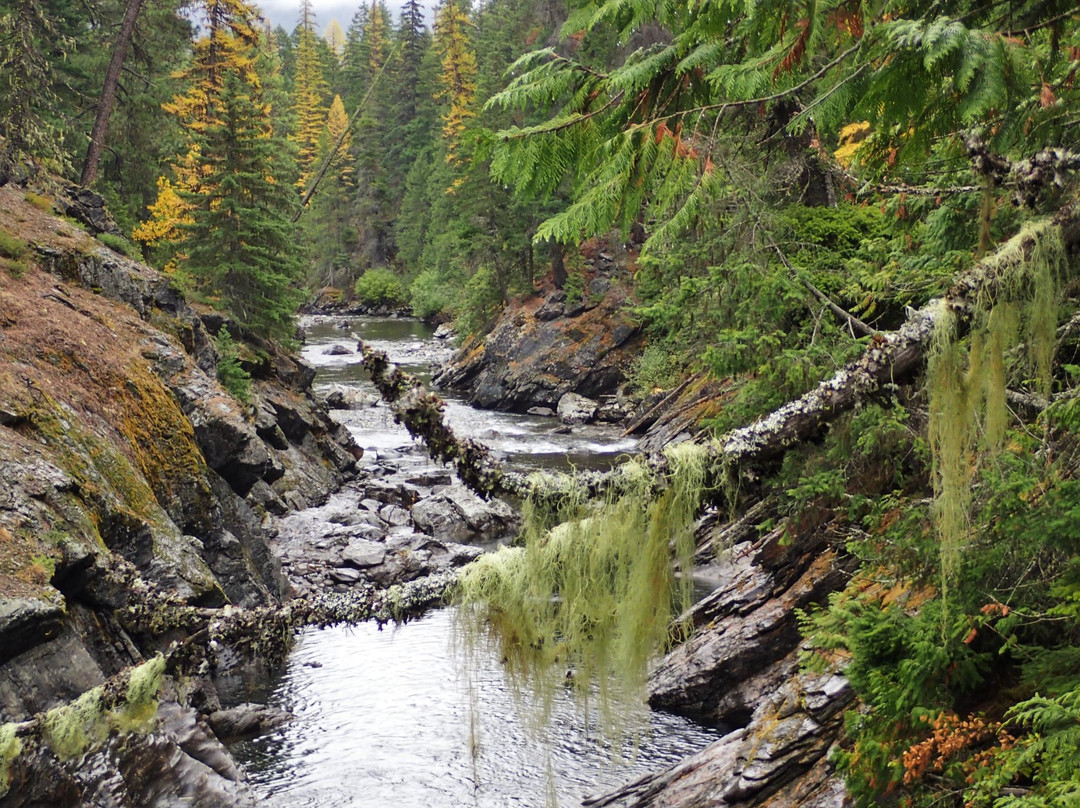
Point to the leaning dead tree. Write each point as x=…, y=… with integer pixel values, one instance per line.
x=889, y=358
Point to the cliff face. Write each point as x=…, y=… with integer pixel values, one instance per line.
x=119, y=447
x=544, y=348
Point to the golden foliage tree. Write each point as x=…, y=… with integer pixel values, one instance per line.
x=309, y=95
x=457, y=80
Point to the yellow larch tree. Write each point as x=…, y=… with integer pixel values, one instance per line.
x=309, y=95
x=457, y=81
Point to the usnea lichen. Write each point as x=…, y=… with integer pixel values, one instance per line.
x=967, y=380
x=593, y=589
x=10, y=747
x=73, y=729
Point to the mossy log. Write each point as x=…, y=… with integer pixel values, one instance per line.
x=889, y=358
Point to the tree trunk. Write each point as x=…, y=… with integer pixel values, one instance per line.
x=108, y=93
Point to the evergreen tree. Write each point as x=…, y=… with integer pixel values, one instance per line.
x=354, y=61
x=329, y=225
x=27, y=34
x=241, y=244
x=372, y=206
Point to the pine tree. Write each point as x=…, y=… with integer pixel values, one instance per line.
x=329, y=229
x=335, y=38
x=26, y=84
x=241, y=243
x=372, y=207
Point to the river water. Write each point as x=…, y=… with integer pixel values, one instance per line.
x=390, y=719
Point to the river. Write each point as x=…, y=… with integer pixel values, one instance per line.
x=390, y=719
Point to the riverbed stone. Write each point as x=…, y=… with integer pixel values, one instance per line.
x=246, y=719
x=576, y=409
x=363, y=553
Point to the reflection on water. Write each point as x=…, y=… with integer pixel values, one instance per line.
x=384, y=723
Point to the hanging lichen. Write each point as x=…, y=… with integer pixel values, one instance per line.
x=10, y=747
x=967, y=380
x=592, y=591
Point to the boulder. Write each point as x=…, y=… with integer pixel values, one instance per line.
x=575, y=409
x=338, y=350
x=246, y=719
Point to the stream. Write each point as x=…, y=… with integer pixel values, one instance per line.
x=389, y=718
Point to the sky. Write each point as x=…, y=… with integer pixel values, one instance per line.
x=286, y=13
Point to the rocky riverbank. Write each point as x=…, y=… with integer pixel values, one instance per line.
x=120, y=450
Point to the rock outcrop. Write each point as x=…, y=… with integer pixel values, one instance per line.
x=119, y=447
x=542, y=349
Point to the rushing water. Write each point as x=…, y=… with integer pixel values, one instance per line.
x=389, y=719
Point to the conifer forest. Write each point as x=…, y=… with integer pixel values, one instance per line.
x=810, y=267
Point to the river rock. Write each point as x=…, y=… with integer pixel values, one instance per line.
x=246, y=719
x=445, y=331
x=350, y=399
x=575, y=409
x=542, y=412
x=338, y=350
x=362, y=553
x=779, y=760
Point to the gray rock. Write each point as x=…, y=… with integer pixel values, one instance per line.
x=338, y=350
x=543, y=412
x=575, y=409
x=362, y=553
x=345, y=575
x=445, y=331
x=246, y=719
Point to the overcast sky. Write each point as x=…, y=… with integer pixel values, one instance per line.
x=286, y=13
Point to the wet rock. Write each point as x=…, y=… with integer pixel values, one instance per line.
x=542, y=412
x=537, y=353
x=25, y=623
x=746, y=636
x=575, y=409
x=350, y=399
x=779, y=760
x=246, y=719
x=445, y=331
x=338, y=350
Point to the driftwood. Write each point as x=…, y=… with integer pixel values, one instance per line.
x=889, y=358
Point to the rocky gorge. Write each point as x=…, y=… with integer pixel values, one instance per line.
x=132, y=479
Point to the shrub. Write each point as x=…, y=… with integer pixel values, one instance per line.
x=13, y=252
x=230, y=373
x=39, y=201
x=119, y=244
x=431, y=293
x=381, y=287
x=481, y=304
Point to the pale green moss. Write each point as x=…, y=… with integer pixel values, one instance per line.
x=10, y=747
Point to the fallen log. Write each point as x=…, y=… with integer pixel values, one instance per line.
x=888, y=358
